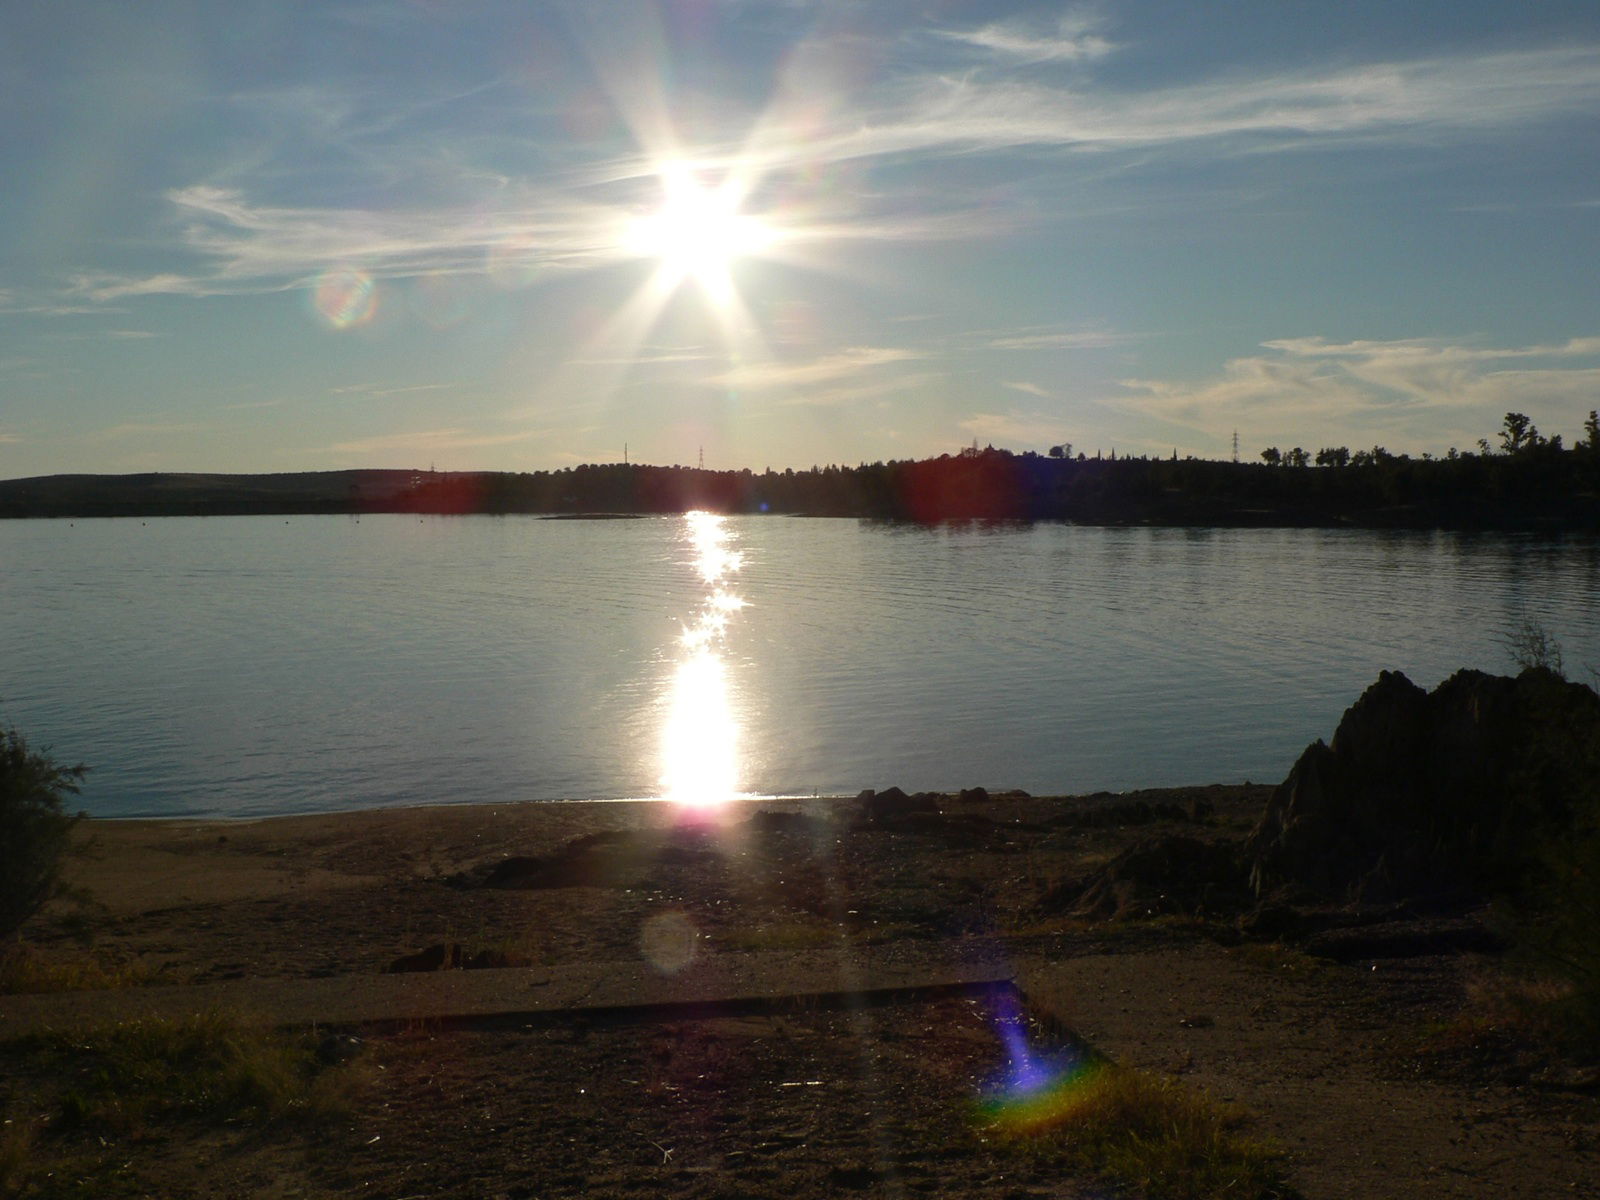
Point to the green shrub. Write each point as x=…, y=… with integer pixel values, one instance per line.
x=34, y=827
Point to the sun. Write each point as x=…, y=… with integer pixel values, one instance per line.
x=698, y=232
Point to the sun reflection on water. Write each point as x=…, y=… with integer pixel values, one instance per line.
x=700, y=739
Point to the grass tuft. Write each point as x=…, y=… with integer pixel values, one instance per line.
x=211, y=1067
x=1143, y=1132
x=24, y=970
x=72, y=1097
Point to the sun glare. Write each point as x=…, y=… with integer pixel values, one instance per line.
x=699, y=742
x=697, y=232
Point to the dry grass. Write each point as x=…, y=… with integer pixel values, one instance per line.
x=1140, y=1131
x=72, y=1097
x=24, y=970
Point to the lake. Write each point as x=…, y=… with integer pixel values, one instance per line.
x=258, y=665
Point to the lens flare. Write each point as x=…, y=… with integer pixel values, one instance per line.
x=700, y=740
x=1035, y=1089
x=1053, y=1097
x=668, y=942
x=345, y=297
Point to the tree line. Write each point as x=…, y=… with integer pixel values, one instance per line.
x=1527, y=481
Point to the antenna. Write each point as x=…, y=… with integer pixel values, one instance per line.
x=702, y=458
x=624, y=453
x=1235, y=445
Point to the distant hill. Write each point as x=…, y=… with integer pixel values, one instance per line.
x=184, y=494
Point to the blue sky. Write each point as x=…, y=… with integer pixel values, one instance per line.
x=296, y=236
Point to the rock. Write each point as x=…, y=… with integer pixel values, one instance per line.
x=1159, y=875
x=769, y=821
x=892, y=808
x=446, y=956
x=1404, y=939
x=1432, y=795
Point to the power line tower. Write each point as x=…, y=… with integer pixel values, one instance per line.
x=1235, y=445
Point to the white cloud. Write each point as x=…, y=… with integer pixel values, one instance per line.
x=762, y=375
x=1066, y=340
x=428, y=440
x=1399, y=101
x=1311, y=390
x=1032, y=389
x=1073, y=39
x=245, y=246
x=876, y=390
x=648, y=358
x=373, y=389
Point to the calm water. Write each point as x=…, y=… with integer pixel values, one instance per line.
x=242, y=666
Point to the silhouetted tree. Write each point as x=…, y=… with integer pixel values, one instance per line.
x=1519, y=434
x=1272, y=456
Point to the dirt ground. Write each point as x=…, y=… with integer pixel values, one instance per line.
x=1351, y=1067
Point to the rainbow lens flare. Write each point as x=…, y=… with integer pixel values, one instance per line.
x=345, y=297
x=1044, y=1095
x=1036, y=1090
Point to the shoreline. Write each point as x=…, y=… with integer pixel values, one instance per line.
x=732, y=802
x=1329, y=1059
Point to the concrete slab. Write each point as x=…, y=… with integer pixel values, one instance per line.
x=592, y=987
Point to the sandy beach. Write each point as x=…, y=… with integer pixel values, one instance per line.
x=1340, y=1064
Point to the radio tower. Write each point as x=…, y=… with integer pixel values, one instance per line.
x=1235, y=445
x=702, y=458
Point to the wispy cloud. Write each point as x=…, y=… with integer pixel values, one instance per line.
x=1014, y=429
x=1062, y=340
x=378, y=390
x=856, y=393
x=1074, y=38
x=243, y=246
x=1399, y=101
x=1426, y=389
x=1032, y=389
x=649, y=358
x=762, y=375
x=240, y=243
x=428, y=440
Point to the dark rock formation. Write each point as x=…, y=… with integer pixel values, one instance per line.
x=893, y=809
x=1436, y=794
x=1156, y=876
